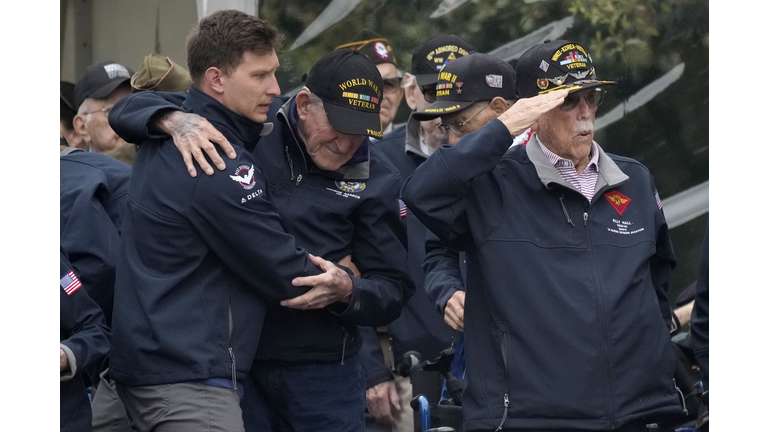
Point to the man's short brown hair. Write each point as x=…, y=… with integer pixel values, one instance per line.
x=221, y=39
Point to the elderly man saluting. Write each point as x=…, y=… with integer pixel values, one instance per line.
x=566, y=316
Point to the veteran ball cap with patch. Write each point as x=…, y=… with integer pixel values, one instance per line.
x=555, y=65
x=474, y=78
x=100, y=80
x=434, y=54
x=350, y=86
x=376, y=48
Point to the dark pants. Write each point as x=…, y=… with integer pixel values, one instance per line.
x=294, y=397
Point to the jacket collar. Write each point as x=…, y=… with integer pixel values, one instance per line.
x=357, y=168
x=610, y=175
x=412, y=139
x=235, y=127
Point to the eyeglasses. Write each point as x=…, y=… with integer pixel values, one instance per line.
x=594, y=98
x=104, y=110
x=392, y=84
x=458, y=128
x=429, y=92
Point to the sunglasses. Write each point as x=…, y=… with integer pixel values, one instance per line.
x=594, y=98
x=429, y=92
x=392, y=84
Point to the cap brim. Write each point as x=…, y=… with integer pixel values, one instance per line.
x=576, y=86
x=107, y=89
x=353, y=122
x=425, y=80
x=440, y=108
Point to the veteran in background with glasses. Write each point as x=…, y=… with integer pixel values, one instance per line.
x=566, y=317
x=470, y=91
x=100, y=87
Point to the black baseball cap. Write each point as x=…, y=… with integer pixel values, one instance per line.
x=376, y=48
x=555, y=65
x=473, y=78
x=351, y=88
x=435, y=54
x=100, y=80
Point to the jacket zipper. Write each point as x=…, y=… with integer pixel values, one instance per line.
x=231, y=352
x=604, y=320
x=290, y=161
x=295, y=140
x=344, y=345
x=234, y=369
x=393, y=367
x=565, y=212
x=506, y=374
x=682, y=397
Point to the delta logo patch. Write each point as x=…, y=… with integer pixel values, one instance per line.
x=618, y=200
x=244, y=176
x=350, y=186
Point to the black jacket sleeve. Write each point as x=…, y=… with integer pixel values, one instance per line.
x=243, y=228
x=375, y=369
x=131, y=116
x=442, y=272
x=437, y=190
x=700, y=314
x=379, y=252
x=84, y=335
x=662, y=263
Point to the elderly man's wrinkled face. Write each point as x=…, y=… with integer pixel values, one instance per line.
x=569, y=133
x=467, y=121
x=328, y=148
x=93, y=126
x=415, y=99
x=392, y=94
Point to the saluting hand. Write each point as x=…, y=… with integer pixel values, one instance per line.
x=333, y=285
x=526, y=112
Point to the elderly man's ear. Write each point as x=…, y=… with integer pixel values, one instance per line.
x=79, y=124
x=498, y=105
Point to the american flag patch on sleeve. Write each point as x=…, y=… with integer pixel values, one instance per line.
x=70, y=283
x=402, y=208
x=658, y=200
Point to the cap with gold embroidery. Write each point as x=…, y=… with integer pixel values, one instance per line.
x=351, y=88
x=473, y=78
x=555, y=65
x=434, y=54
x=376, y=48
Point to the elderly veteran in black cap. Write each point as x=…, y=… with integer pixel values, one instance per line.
x=380, y=52
x=567, y=320
x=339, y=197
x=470, y=92
x=421, y=327
x=100, y=87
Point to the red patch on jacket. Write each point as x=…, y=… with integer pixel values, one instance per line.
x=618, y=200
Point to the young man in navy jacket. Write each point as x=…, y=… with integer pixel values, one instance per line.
x=203, y=256
x=566, y=319
x=338, y=197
